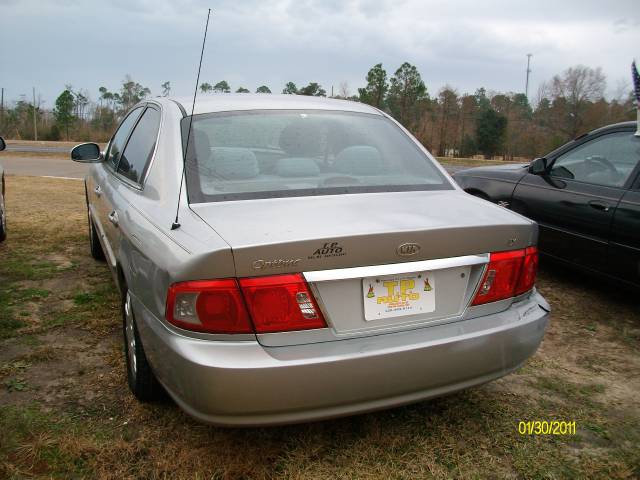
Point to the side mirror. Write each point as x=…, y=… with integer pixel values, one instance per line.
x=86, y=153
x=538, y=166
x=3, y=144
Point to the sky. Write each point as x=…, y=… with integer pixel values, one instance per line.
x=465, y=44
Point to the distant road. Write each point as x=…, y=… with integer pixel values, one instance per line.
x=37, y=148
x=42, y=166
x=64, y=167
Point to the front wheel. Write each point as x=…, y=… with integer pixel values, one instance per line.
x=142, y=381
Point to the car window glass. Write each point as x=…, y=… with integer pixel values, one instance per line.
x=139, y=149
x=608, y=160
x=117, y=143
x=269, y=153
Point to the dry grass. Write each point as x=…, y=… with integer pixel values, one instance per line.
x=65, y=410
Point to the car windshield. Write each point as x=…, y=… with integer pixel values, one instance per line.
x=268, y=154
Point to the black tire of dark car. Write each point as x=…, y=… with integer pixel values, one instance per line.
x=142, y=381
x=94, y=243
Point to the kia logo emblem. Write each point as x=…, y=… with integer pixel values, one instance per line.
x=408, y=249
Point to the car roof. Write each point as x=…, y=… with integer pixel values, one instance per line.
x=225, y=102
x=613, y=126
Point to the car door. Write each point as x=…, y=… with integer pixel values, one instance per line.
x=99, y=189
x=123, y=186
x=624, y=247
x=575, y=199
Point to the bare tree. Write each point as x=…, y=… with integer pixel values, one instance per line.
x=575, y=89
x=343, y=89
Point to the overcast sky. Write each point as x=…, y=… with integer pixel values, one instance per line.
x=466, y=44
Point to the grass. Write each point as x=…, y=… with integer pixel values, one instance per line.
x=65, y=411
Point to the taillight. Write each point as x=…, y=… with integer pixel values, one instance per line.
x=278, y=303
x=281, y=303
x=529, y=271
x=508, y=274
x=211, y=306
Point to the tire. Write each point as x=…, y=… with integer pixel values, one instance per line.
x=3, y=226
x=142, y=381
x=94, y=242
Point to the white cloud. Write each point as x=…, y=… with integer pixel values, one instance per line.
x=466, y=44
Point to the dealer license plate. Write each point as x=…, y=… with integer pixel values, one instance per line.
x=399, y=295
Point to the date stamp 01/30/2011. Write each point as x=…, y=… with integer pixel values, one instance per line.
x=546, y=427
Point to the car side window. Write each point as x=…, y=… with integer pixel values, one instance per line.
x=608, y=160
x=140, y=147
x=120, y=137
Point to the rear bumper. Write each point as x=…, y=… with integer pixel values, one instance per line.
x=244, y=383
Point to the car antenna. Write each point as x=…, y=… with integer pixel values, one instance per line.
x=176, y=223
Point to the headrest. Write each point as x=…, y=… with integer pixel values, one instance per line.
x=300, y=138
x=233, y=163
x=297, y=167
x=359, y=160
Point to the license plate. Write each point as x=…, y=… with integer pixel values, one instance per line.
x=398, y=295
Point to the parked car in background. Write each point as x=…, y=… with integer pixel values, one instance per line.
x=322, y=263
x=585, y=196
x=3, y=217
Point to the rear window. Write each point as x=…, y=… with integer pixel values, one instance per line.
x=269, y=154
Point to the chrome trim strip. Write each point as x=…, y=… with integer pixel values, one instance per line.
x=393, y=268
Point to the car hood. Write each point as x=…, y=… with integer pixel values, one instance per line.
x=294, y=234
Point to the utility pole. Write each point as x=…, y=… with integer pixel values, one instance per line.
x=1, y=108
x=526, y=88
x=35, y=126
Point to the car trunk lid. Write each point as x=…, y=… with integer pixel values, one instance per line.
x=435, y=241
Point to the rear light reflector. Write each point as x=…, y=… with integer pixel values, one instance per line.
x=278, y=303
x=508, y=274
x=281, y=303
x=210, y=306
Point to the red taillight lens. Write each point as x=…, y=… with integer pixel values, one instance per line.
x=508, y=274
x=211, y=306
x=529, y=271
x=281, y=303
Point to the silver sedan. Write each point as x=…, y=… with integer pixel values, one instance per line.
x=285, y=258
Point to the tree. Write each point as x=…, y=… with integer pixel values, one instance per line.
x=242, y=90
x=376, y=88
x=222, y=87
x=405, y=90
x=573, y=91
x=206, y=87
x=166, y=88
x=263, y=89
x=290, y=89
x=313, y=90
x=63, y=112
x=490, y=132
x=131, y=93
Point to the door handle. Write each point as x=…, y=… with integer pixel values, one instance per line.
x=113, y=218
x=98, y=190
x=603, y=206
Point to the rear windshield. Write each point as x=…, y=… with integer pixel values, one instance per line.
x=284, y=153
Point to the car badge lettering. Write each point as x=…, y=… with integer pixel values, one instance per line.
x=327, y=250
x=277, y=263
x=408, y=249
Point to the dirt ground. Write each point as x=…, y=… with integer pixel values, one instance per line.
x=65, y=410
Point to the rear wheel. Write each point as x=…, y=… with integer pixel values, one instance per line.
x=142, y=381
x=94, y=243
